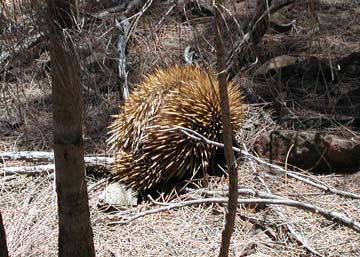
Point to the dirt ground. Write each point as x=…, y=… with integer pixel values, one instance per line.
x=292, y=99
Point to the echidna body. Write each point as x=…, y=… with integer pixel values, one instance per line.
x=150, y=150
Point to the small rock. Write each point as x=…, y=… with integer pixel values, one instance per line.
x=118, y=194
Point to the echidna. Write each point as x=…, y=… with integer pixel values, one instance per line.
x=149, y=151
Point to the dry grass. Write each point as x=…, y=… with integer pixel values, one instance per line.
x=28, y=204
x=29, y=211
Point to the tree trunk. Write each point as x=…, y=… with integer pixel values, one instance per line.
x=3, y=245
x=227, y=132
x=75, y=232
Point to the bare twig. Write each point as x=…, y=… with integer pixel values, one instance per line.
x=137, y=16
x=227, y=132
x=241, y=191
x=328, y=214
x=195, y=135
x=280, y=213
x=257, y=29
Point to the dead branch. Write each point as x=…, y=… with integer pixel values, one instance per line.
x=121, y=52
x=337, y=217
x=280, y=213
x=38, y=156
x=25, y=44
x=241, y=191
x=257, y=29
x=126, y=7
x=28, y=170
x=195, y=135
x=227, y=132
x=27, y=156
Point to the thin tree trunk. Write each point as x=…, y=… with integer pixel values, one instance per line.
x=3, y=245
x=75, y=232
x=227, y=132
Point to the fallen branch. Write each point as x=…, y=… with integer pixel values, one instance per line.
x=38, y=156
x=27, y=156
x=328, y=214
x=125, y=7
x=20, y=46
x=29, y=170
x=195, y=135
x=280, y=213
x=257, y=29
x=241, y=191
x=277, y=209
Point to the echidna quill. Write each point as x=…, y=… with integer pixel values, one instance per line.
x=150, y=151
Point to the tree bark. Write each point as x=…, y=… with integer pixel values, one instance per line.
x=75, y=232
x=3, y=245
x=227, y=132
